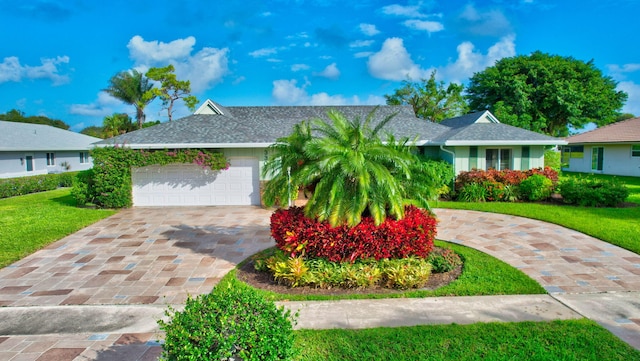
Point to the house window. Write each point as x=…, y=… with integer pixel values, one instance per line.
x=498, y=159
x=51, y=159
x=577, y=151
x=635, y=150
x=524, y=159
x=473, y=157
x=597, y=158
x=84, y=157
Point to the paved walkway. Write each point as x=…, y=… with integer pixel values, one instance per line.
x=103, y=288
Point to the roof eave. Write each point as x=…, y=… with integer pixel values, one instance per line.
x=186, y=145
x=504, y=142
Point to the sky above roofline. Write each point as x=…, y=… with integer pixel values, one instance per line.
x=60, y=54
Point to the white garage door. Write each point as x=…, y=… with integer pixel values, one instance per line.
x=190, y=185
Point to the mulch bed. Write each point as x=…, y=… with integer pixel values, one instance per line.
x=263, y=280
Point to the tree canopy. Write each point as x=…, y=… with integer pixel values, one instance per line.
x=546, y=93
x=15, y=115
x=430, y=99
x=171, y=89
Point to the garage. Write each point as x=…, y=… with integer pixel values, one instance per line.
x=191, y=185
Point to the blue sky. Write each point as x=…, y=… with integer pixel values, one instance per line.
x=56, y=56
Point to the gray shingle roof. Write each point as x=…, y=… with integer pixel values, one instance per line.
x=38, y=137
x=260, y=126
x=250, y=126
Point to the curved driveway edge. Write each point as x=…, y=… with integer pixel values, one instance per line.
x=560, y=259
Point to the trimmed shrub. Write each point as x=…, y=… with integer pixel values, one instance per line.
x=592, y=192
x=232, y=322
x=82, y=190
x=12, y=187
x=536, y=188
x=295, y=234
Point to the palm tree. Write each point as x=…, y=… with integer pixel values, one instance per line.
x=132, y=87
x=354, y=171
x=286, y=157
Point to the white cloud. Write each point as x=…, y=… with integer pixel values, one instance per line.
x=263, y=52
x=369, y=29
x=363, y=54
x=299, y=67
x=429, y=26
x=633, y=102
x=103, y=106
x=155, y=52
x=286, y=92
x=12, y=70
x=330, y=72
x=619, y=72
x=401, y=10
x=361, y=43
x=203, y=69
x=488, y=23
x=470, y=61
x=393, y=62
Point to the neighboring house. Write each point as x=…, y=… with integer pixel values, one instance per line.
x=612, y=149
x=243, y=133
x=30, y=149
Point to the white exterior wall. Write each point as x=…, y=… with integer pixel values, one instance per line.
x=12, y=166
x=259, y=153
x=617, y=160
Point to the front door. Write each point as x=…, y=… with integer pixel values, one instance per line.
x=29, y=162
x=597, y=158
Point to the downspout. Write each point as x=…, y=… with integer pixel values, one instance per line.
x=453, y=158
x=453, y=163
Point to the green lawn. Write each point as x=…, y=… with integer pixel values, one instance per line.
x=619, y=226
x=557, y=340
x=30, y=222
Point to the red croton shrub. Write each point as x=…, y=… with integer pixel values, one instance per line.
x=296, y=234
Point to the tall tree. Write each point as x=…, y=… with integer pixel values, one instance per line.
x=171, y=89
x=546, y=93
x=132, y=87
x=430, y=99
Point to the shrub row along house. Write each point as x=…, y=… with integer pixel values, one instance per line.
x=32, y=149
x=243, y=134
x=612, y=149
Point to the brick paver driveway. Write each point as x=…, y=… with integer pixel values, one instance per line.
x=138, y=256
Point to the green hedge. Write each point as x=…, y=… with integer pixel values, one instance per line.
x=591, y=192
x=12, y=187
x=108, y=184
